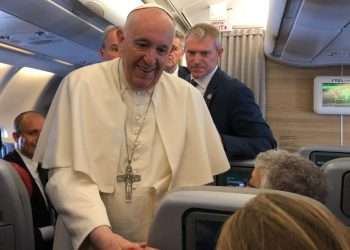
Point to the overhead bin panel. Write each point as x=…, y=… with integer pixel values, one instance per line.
x=308, y=31
x=52, y=17
x=316, y=26
x=25, y=35
x=41, y=62
x=338, y=51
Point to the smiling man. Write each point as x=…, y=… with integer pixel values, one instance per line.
x=115, y=148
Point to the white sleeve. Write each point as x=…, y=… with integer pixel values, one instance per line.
x=77, y=200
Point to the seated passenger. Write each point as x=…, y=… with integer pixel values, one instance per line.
x=28, y=126
x=279, y=222
x=281, y=170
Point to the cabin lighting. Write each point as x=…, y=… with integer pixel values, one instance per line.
x=218, y=11
x=27, y=71
x=63, y=62
x=16, y=49
x=4, y=133
x=249, y=13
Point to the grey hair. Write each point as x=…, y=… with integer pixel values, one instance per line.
x=203, y=30
x=291, y=172
x=181, y=36
x=107, y=30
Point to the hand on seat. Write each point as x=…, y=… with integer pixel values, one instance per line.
x=102, y=238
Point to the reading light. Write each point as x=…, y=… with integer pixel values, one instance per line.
x=16, y=49
x=63, y=62
x=218, y=11
x=242, y=13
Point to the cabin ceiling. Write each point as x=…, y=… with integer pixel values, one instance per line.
x=299, y=32
x=39, y=26
x=309, y=32
x=188, y=13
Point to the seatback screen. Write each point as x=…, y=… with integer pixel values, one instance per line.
x=202, y=228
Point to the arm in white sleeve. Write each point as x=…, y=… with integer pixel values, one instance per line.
x=77, y=200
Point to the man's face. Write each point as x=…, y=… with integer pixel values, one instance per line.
x=145, y=47
x=111, y=48
x=27, y=139
x=175, y=55
x=202, y=55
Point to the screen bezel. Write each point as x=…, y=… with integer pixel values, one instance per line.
x=318, y=95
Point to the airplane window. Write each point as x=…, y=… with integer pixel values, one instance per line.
x=6, y=148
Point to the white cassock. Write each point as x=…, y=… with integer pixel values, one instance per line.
x=83, y=142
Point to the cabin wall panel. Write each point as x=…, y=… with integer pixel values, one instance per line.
x=290, y=107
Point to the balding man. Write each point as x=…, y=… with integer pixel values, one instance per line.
x=28, y=126
x=110, y=43
x=113, y=158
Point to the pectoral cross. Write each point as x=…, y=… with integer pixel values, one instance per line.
x=129, y=178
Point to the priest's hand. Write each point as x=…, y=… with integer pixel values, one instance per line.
x=102, y=238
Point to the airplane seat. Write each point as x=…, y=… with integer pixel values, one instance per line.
x=191, y=218
x=16, y=225
x=320, y=154
x=338, y=181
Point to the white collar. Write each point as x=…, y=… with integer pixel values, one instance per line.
x=204, y=81
x=32, y=165
x=176, y=70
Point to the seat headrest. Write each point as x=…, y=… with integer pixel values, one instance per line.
x=187, y=213
x=338, y=181
x=16, y=225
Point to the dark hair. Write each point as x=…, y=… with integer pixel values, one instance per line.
x=17, y=124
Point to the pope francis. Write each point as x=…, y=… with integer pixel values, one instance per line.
x=119, y=135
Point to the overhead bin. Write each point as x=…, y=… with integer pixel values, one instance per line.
x=308, y=32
